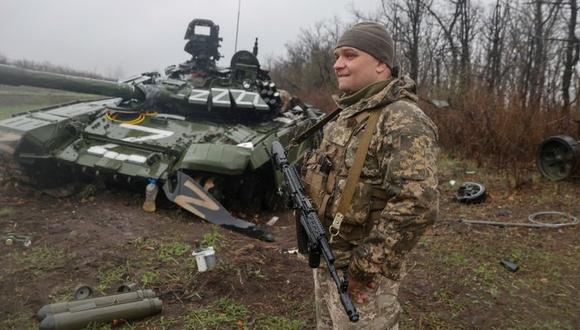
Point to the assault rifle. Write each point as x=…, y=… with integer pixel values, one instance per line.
x=309, y=232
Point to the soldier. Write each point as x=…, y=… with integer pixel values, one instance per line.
x=377, y=214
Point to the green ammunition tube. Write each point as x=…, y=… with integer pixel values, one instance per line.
x=81, y=318
x=94, y=303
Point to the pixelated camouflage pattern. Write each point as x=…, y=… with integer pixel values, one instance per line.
x=381, y=311
x=396, y=197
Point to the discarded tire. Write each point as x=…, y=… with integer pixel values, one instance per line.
x=471, y=192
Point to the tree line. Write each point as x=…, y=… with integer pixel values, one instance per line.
x=49, y=67
x=508, y=71
x=524, y=50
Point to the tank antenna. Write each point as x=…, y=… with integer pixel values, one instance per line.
x=255, y=51
x=237, y=26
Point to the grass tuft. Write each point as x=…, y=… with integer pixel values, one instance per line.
x=214, y=238
x=222, y=314
x=170, y=252
x=110, y=276
x=6, y=211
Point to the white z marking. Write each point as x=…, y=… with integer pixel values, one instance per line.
x=244, y=98
x=198, y=96
x=105, y=152
x=156, y=134
x=259, y=103
x=220, y=96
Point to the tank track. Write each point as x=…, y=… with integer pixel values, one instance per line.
x=13, y=172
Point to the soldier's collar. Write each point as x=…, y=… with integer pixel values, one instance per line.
x=378, y=98
x=347, y=100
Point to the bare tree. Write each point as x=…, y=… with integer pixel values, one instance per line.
x=447, y=26
x=543, y=22
x=458, y=28
x=405, y=18
x=309, y=60
x=572, y=55
x=495, y=34
x=520, y=50
x=468, y=20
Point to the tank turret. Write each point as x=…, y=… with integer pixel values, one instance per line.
x=236, y=97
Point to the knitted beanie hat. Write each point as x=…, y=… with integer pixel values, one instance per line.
x=371, y=38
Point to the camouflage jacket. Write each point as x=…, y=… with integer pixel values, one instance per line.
x=396, y=196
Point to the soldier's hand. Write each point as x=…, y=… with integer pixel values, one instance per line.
x=358, y=291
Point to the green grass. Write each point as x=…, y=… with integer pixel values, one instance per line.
x=7, y=111
x=449, y=164
x=20, y=99
x=224, y=313
x=5, y=211
x=98, y=326
x=544, y=284
x=545, y=325
x=65, y=293
x=214, y=238
x=432, y=320
x=148, y=278
x=457, y=259
x=172, y=251
x=6, y=91
x=157, y=323
x=111, y=275
x=18, y=321
x=41, y=259
x=279, y=323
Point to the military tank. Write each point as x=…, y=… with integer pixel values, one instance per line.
x=201, y=132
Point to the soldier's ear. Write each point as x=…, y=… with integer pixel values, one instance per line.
x=383, y=69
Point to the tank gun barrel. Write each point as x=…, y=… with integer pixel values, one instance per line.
x=166, y=95
x=12, y=75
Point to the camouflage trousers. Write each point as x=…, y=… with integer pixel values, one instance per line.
x=380, y=311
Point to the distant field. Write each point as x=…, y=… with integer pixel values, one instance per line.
x=19, y=99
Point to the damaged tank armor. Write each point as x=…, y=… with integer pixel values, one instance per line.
x=201, y=132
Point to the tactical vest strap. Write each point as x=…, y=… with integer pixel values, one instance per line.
x=354, y=173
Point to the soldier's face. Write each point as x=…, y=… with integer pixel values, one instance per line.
x=356, y=69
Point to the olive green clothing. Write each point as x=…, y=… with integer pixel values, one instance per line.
x=396, y=196
x=363, y=93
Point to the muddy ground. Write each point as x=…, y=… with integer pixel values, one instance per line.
x=102, y=238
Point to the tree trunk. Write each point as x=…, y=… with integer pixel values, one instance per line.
x=572, y=53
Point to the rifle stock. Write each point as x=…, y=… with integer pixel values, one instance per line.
x=310, y=233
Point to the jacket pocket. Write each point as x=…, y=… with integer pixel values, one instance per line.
x=315, y=180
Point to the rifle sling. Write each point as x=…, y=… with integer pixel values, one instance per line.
x=354, y=173
x=315, y=127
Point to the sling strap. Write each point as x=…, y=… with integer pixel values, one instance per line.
x=354, y=173
x=301, y=137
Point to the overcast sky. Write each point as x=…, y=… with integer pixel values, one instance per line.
x=144, y=35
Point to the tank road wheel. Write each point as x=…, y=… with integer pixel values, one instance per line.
x=557, y=157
